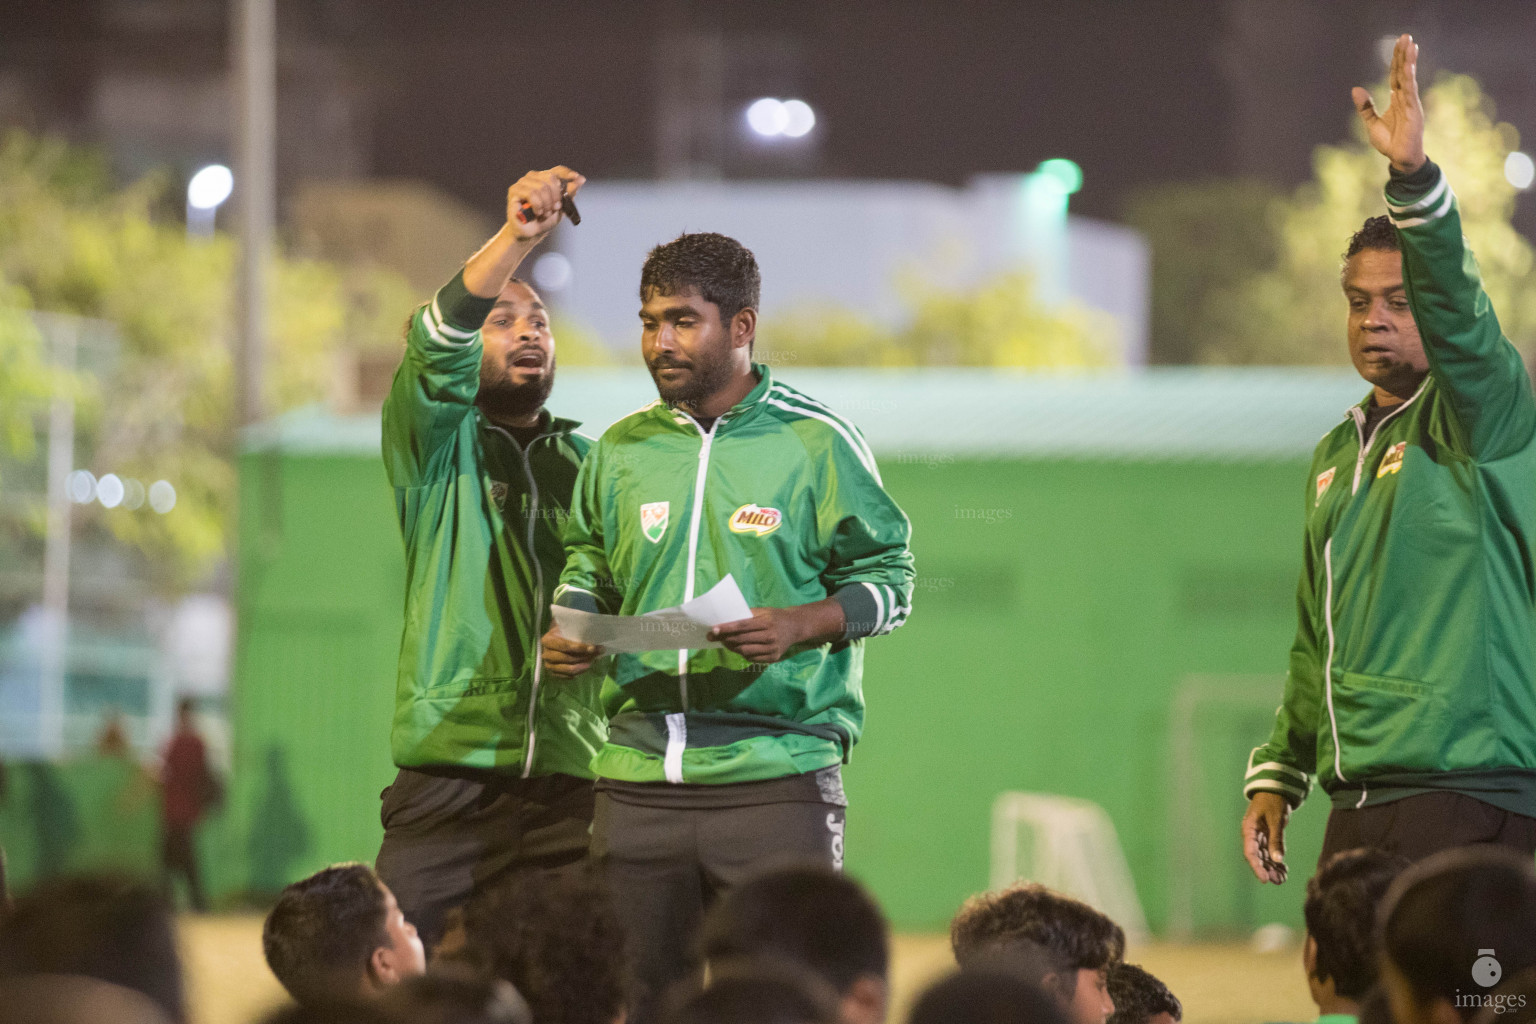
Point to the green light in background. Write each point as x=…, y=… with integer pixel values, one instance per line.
x=1064, y=172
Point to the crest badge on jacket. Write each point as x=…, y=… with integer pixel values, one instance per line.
x=653, y=519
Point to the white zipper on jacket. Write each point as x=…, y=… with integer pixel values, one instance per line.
x=1333, y=722
x=677, y=724
x=538, y=591
x=1367, y=443
x=1356, y=414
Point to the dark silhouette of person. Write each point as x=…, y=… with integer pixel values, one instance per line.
x=187, y=790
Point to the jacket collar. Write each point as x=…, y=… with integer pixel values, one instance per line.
x=738, y=413
x=548, y=423
x=1359, y=407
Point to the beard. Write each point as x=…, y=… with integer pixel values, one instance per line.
x=702, y=381
x=502, y=399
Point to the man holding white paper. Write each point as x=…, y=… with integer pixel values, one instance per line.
x=722, y=761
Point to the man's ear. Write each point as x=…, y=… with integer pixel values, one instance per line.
x=383, y=971
x=744, y=328
x=1309, y=956
x=866, y=1001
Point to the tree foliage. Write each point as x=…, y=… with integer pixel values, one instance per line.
x=1206, y=237
x=160, y=406
x=1292, y=310
x=1003, y=322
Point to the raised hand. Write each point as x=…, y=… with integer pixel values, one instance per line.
x=1397, y=134
x=541, y=191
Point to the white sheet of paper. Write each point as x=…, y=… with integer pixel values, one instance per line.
x=681, y=626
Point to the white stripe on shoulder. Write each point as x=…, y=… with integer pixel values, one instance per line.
x=647, y=407
x=584, y=436
x=790, y=394
x=1435, y=214
x=865, y=459
x=1429, y=200
x=863, y=456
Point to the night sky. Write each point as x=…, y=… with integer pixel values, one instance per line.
x=904, y=90
x=468, y=94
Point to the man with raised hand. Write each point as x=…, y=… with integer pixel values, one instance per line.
x=494, y=767
x=722, y=762
x=1411, y=695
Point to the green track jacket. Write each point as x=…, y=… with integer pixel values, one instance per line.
x=1414, y=666
x=783, y=494
x=481, y=518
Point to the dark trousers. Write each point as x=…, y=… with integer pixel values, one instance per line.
x=448, y=836
x=178, y=856
x=1417, y=826
x=667, y=865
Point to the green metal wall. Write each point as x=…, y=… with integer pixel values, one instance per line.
x=1060, y=606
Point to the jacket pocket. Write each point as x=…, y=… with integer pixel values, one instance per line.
x=1389, y=725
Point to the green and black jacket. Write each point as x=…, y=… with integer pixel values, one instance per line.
x=1414, y=666
x=481, y=517
x=783, y=494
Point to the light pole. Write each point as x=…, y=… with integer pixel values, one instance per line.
x=208, y=188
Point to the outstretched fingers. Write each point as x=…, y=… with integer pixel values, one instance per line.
x=1365, y=106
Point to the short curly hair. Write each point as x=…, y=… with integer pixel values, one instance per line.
x=1139, y=996
x=322, y=931
x=558, y=939
x=1340, y=911
x=1068, y=929
x=1377, y=233
x=721, y=268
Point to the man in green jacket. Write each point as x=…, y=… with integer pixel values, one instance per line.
x=494, y=768
x=1411, y=695
x=725, y=760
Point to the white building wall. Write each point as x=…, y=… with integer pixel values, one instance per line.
x=848, y=243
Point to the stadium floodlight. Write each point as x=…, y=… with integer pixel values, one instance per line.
x=81, y=485
x=775, y=119
x=1064, y=172
x=799, y=118
x=552, y=272
x=162, y=496
x=110, y=491
x=768, y=117
x=1519, y=170
x=206, y=191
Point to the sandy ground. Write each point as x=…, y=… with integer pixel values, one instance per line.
x=1219, y=984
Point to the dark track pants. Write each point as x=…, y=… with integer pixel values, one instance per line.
x=178, y=856
x=667, y=865
x=449, y=836
x=1417, y=826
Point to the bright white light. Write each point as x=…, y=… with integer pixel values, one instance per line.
x=768, y=117
x=1519, y=170
x=209, y=187
x=81, y=487
x=552, y=271
x=162, y=496
x=133, y=494
x=799, y=118
x=109, y=491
